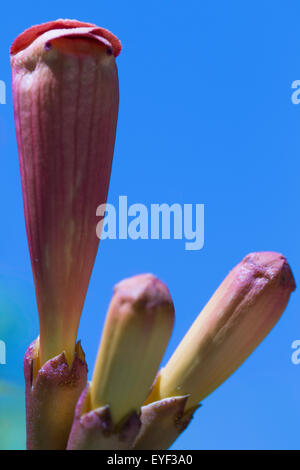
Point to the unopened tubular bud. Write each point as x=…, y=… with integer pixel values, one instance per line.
x=136, y=333
x=65, y=94
x=237, y=318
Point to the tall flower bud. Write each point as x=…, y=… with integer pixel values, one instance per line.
x=65, y=94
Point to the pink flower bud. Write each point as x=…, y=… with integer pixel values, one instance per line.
x=65, y=94
x=243, y=310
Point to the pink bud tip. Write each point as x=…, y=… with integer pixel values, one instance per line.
x=30, y=34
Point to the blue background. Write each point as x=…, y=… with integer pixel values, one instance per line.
x=205, y=117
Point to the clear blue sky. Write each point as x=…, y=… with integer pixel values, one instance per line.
x=205, y=117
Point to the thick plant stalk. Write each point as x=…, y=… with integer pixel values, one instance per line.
x=237, y=318
x=136, y=333
x=51, y=394
x=65, y=94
